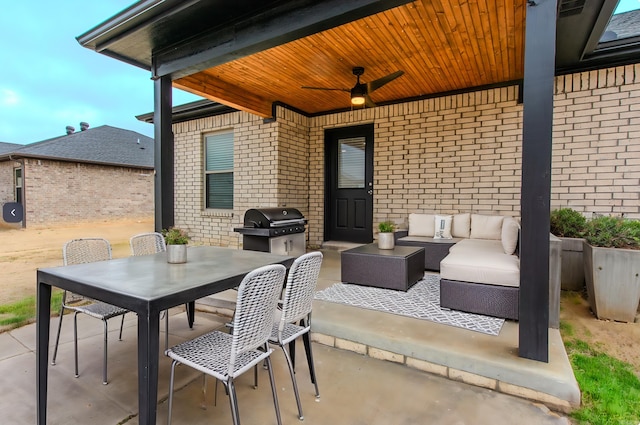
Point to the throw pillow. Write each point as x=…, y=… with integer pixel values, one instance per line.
x=461, y=225
x=421, y=225
x=442, y=227
x=486, y=226
x=510, y=230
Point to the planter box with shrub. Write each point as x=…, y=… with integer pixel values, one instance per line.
x=612, y=267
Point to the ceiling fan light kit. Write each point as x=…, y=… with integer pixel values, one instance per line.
x=360, y=92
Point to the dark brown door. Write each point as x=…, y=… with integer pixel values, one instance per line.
x=349, y=184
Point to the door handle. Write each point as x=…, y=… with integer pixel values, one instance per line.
x=370, y=192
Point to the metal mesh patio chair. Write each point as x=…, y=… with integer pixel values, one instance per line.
x=148, y=244
x=295, y=320
x=78, y=251
x=226, y=356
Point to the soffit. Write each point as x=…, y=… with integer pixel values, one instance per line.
x=441, y=46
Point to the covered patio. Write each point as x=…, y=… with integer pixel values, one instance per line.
x=256, y=57
x=372, y=386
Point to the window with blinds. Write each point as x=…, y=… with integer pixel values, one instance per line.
x=219, y=170
x=17, y=173
x=351, y=159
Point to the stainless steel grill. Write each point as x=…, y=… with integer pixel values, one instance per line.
x=277, y=230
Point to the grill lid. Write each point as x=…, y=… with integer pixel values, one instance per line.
x=273, y=217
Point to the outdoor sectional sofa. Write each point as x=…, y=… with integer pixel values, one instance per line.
x=477, y=258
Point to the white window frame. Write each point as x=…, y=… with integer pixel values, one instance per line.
x=18, y=183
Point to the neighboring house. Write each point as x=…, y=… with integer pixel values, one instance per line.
x=98, y=173
x=9, y=190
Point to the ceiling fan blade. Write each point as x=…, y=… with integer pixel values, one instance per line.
x=324, y=88
x=376, y=84
x=368, y=102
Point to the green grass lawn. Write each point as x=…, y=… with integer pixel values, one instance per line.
x=23, y=312
x=610, y=388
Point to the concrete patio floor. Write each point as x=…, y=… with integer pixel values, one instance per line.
x=373, y=368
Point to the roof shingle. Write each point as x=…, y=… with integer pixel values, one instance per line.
x=100, y=145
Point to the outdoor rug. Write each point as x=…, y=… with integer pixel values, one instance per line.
x=422, y=301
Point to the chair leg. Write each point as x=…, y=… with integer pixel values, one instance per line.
x=293, y=381
x=121, y=326
x=55, y=350
x=292, y=353
x=312, y=370
x=75, y=340
x=203, y=405
x=173, y=372
x=233, y=401
x=255, y=377
x=104, y=358
x=274, y=391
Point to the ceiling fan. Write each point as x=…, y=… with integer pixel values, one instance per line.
x=360, y=92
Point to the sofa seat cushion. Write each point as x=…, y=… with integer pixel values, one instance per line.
x=481, y=261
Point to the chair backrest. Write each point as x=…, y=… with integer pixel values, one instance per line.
x=147, y=243
x=256, y=304
x=300, y=288
x=86, y=250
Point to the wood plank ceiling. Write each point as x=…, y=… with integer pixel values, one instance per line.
x=441, y=46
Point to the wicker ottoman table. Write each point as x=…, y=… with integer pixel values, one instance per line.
x=399, y=268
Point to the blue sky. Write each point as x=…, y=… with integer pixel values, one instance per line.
x=49, y=81
x=627, y=5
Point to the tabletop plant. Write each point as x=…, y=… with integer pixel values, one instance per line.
x=175, y=236
x=567, y=223
x=386, y=227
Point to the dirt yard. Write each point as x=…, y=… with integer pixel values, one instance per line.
x=620, y=340
x=22, y=251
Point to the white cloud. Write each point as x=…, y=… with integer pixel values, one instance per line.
x=8, y=97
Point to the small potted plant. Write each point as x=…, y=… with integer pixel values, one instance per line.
x=612, y=267
x=176, y=240
x=386, y=238
x=569, y=226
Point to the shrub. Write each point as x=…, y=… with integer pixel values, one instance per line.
x=567, y=223
x=386, y=227
x=175, y=236
x=613, y=232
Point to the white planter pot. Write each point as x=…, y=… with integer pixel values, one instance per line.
x=612, y=278
x=176, y=254
x=386, y=241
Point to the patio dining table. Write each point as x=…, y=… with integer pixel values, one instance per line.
x=145, y=285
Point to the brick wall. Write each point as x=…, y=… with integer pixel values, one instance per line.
x=58, y=192
x=271, y=169
x=596, y=133
x=6, y=181
x=458, y=153
x=450, y=154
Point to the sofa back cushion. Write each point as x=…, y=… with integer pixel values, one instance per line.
x=461, y=225
x=486, y=226
x=422, y=224
x=510, y=231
